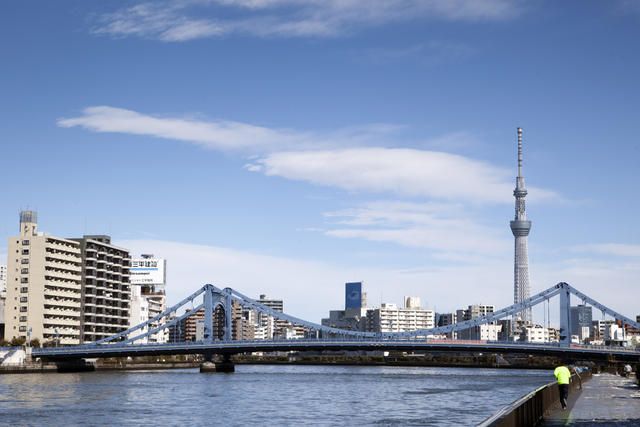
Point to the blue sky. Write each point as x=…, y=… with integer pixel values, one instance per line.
x=287, y=146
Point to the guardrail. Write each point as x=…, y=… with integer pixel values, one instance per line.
x=529, y=410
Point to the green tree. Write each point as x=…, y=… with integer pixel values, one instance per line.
x=17, y=342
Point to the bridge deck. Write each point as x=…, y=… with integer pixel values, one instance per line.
x=234, y=347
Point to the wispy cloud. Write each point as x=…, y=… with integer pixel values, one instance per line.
x=220, y=134
x=612, y=249
x=182, y=20
x=351, y=158
x=446, y=228
x=400, y=171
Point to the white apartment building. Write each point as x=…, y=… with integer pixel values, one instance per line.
x=390, y=318
x=535, y=334
x=44, y=286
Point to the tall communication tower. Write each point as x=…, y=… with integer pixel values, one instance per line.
x=520, y=227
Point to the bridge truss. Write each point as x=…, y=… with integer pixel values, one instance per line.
x=210, y=298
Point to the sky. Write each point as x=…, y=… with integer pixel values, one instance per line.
x=285, y=147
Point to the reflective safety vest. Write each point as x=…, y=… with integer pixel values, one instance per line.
x=562, y=374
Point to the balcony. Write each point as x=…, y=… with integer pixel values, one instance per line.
x=61, y=312
x=49, y=330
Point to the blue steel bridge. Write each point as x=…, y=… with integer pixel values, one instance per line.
x=210, y=298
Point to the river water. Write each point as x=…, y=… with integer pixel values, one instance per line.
x=275, y=395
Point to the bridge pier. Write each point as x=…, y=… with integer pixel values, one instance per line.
x=225, y=365
x=75, y=365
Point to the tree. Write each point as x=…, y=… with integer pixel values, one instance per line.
x=34, y=343
x=17, y=341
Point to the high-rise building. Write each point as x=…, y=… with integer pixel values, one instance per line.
x=520, y=228
x=44, y=286
x=581, y=318
x=106, y=293
x=149, y=274
x=354, y=298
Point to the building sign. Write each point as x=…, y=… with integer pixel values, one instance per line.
x=147, y=271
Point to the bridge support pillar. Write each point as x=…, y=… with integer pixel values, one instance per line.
x=224, y=365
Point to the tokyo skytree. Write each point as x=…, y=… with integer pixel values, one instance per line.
x=520, y=227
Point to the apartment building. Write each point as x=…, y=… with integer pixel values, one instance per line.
x=44, y=286
x=390, y=318
x=106, y=291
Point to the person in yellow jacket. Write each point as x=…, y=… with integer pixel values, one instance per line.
x=563, y=375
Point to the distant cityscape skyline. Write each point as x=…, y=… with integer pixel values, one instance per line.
x=333, y=144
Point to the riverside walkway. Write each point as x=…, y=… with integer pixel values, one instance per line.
x=605, y=400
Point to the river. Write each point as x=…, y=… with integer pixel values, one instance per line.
x=275, y=395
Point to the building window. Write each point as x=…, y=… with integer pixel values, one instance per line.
x=23, y=299
x=25, y=260
x=25, y=252
x=25, y=243
x=23, y=329
x=24, y=280
x=24, y=289
x=24, y=271
x=23, y=318
x=23, y=309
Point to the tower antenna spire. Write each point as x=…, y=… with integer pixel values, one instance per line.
x=519, y=152
x=520, y=227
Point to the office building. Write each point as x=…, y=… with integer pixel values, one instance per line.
x=520, y=228
x=446, y=319
x=44, y=286
x=487, y=332
x=149, y=274
x=581, y=320
x=354, y=315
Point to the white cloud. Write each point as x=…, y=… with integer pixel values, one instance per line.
x=613, y=249
x=177, y=21
x=311, y=288
x=401, y=171
x=223, y=135
x=447, y=229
